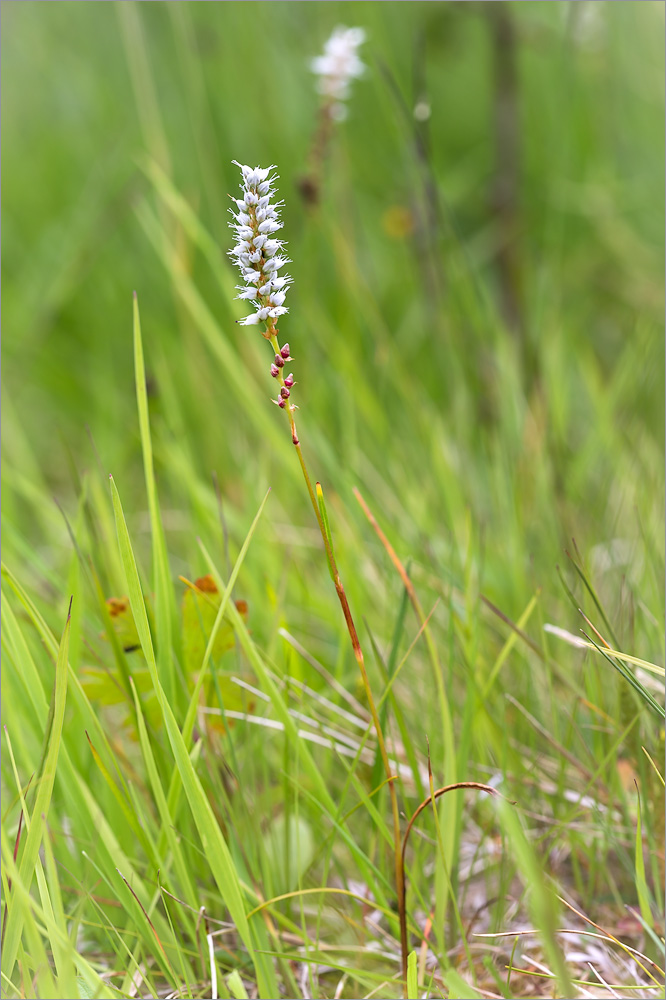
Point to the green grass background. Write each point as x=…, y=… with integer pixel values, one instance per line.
x=483, y=450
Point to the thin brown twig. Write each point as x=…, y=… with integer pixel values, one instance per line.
x=442, y=791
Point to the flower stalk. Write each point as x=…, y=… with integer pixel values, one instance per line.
x=335, y=68
x=259, y=258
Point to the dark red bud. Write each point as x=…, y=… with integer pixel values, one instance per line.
x=284, y=392
x=289, y=381
x=279, y=361
x=285, y=351
x=280, y=402
x=274, y=371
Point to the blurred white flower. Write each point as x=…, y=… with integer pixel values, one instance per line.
x=588, y=23
x=338, y=65
x=256, y=253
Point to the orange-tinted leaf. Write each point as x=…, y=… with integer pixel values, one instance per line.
x=123, y=623
x=201, y=602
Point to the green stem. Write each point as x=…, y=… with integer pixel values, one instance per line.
x=358, y=653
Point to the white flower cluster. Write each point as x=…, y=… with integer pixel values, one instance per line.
x=257, y=253
x=337, y=67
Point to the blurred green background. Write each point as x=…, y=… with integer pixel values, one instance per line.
x=476, y=321
x=90, y=86
x=396, y=310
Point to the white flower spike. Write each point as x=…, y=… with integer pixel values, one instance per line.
x=338, y=65
x=259, y=259
x=256, y=253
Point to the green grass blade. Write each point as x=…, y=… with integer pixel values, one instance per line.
x=63, y=955
x=42, y=802
x=459, y=989
x=327, y=527
x=236, y=987
x=597, y=603
x=631, y=678
x=412, y=977
x=161, y=575
x=28, y=673
x=508, y=646
x=124, y=806
x=166, y=816
x=641, y=882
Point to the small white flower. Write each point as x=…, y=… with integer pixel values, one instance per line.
x=271, y=247
x=338, y=65
x=273, y=264
x=257, y=255
x=269, y=226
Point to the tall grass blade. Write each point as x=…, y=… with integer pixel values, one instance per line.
x=161, y=576
x=641, y=882
x=43, y=795
x=412, y=977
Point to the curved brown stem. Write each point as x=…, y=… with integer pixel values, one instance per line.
x=479, y=786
